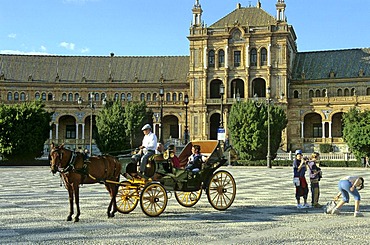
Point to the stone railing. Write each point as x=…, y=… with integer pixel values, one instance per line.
x=336, y=156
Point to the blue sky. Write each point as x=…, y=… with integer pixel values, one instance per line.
x=160, y=27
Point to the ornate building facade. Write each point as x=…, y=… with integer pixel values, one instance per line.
x=249, y=52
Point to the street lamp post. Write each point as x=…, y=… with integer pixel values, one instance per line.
x=186, y=101
x=161, y=94
x=268, y=157
x=91, y=105
x=222, y=92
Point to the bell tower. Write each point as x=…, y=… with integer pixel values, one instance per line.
x=197, y=14
x=280, y=10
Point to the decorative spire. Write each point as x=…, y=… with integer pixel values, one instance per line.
x=197, y=14
x=280, y=10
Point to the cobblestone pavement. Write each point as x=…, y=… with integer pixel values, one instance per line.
x=33, y=210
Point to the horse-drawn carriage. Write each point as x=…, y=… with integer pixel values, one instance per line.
x=187, y=185
x=151, y=190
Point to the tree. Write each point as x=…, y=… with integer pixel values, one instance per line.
x=119, y=126
x=136, y=115
x=111, y=136
x=24, y=128
x=248, y=129
x=356, y=132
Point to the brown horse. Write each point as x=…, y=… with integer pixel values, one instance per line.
x=75, y=171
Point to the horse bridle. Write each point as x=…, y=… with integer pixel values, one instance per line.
x=59, y=157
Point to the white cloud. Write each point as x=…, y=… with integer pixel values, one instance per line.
x=43, y=48
x=12, y=35
x=69, y=46
x=7, y=51
x=85, y=50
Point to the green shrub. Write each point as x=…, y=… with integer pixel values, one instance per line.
x=326, y=148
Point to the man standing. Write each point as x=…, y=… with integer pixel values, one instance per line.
x=149, y=145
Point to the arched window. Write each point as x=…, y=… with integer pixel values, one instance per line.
x=70, y=97
x=221, y=58
x=346, y=92
x=97, y=97
x=77, y=95
x=10, y=96
x=129, y=97
x=37, y=96
x=155, y=97
x=295, y=94
x=310, y=93
x=253, y=57
x=103, y=96
x=123, y=97
x=148, y=97
x=64, y=97
x=353, y=92
x=339, y=92
x=174, y=97
x=142, y=97
x=23, y=96
x=50, y=97
x=116, y=97
x=317, y=93
x=211, y=58
x=263, y=57
x=180, y=97
x=368, y=91
x=16, y=96
x=168, y=97
x=43, y=96
x=324, y=93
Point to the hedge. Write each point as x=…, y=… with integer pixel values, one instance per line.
x=288, y=163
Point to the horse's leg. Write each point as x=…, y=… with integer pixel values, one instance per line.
x=76, y=188
x=110, y=190
x=70, y=198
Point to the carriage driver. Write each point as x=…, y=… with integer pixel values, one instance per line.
x=148, y=146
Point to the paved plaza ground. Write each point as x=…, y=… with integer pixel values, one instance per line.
x=34, y=207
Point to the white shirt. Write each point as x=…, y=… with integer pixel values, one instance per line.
x=149, y=142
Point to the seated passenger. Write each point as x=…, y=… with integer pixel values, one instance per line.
x=195, y=160
x=175, y=160
x=160, y=148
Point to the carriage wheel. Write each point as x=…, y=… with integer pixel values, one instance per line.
x=126, y=198
x=188, y=199
x=153, y=199
x=221, y=190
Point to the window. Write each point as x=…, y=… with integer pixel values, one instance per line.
x=339, y=92
x=64, y=97
x=70, y=97
x=310, y=93
x=123, y=97
x=317, y=93
x=368, y=91
x=10, y=96
x=70, y=131
x=211, y=58
x=263, y=57
x=142, y=97
x=346, y=92
x=116, y=96
x=50, y=96
x=168, y=97
x=16, y=96
x=353, y=92
x=295, y=94
x=148, y=97
x=221, y=58
x=174, y=97
x=180, y=97
x=253, y=57
x=23, y=96
x=103, y=96
x=43, y=96
x=317, y=130
x=129, y=97
x=96, y=97
x=237, y=58
x=155, y=97
x=77, y=95
x=37, y=96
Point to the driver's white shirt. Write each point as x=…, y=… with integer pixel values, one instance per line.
x=150, y=142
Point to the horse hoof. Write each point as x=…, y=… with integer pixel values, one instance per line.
x=69, y=218
x=77, y=219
